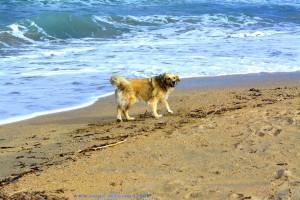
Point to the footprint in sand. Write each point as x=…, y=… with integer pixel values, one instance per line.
x=283, y=174
x=268, y=130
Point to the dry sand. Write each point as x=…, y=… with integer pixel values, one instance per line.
x=231, y=137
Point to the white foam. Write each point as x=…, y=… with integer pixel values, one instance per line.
x=3, y=43
x=19, y=31
x=248, y=34
x=66, y=51
x=40, y=30
x=59, y=72
x=54, y=53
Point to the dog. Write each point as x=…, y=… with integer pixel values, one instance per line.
x=149, y=90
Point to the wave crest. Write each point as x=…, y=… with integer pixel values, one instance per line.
x=51, y=26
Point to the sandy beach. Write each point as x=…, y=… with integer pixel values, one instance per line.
x=230, y=137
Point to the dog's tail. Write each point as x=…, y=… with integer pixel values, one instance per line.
x=119, y=82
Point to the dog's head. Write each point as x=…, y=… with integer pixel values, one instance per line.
x=170, y=80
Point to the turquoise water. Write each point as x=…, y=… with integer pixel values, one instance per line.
x=57, y=55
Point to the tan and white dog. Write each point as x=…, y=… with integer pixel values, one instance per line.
x=150, y=90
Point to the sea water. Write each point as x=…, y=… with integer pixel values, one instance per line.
x=59, y=54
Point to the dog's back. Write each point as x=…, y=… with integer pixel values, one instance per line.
x=140, y=88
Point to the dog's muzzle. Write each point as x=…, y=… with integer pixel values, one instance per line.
x=173, y=83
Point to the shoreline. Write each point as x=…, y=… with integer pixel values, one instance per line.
x=43, y=113
x=206, y=81
x=226, y=131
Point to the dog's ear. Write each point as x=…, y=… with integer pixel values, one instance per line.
x=163, y=77
x=177, y=78
x=160, y=78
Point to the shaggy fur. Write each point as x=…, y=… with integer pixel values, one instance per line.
x=150, y=90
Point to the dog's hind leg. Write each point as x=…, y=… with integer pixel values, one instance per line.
x=127, y=107
x=119, y=114
x=127, y=115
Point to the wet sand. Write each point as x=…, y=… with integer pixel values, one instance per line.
x=230, y=137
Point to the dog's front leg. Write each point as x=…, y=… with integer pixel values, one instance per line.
x=153, y=104
x=166, y=104
x=127, y=116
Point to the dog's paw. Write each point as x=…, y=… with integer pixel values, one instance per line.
x=130, y=119
x=170, y=111
x=119, y=120
x=157, y=116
